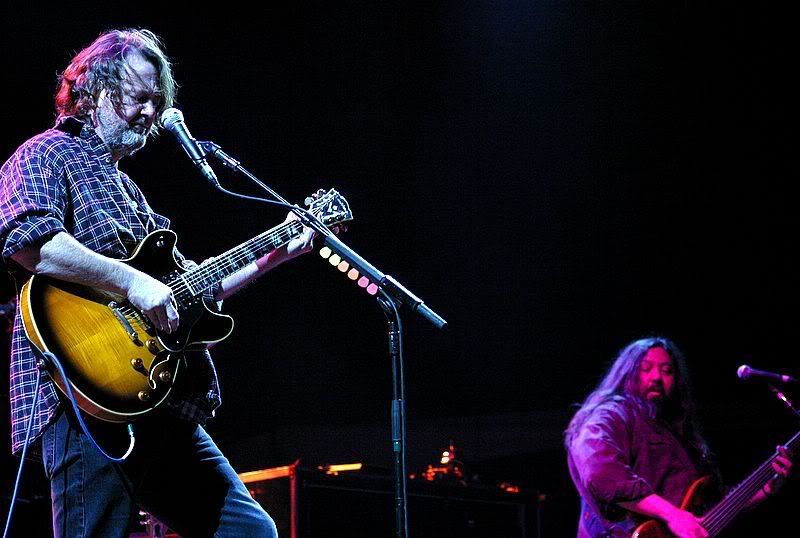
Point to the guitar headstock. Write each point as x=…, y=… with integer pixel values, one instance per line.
x=330, y=207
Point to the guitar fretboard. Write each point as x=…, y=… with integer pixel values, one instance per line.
x=716, y=519
x=203, y=277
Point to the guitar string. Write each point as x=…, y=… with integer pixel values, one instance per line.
x=184, y=285
x=748, y=488
x=744, y=493
x=195, y=283
x=202, y=272
x=736, y=500
x=289, y=228
x=287, y=232
x=733, y=504
x=720, y=516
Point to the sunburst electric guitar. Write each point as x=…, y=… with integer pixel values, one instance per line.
x=715, y=518
x=118, y=365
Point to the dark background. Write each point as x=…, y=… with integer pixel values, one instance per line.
x=554, y=178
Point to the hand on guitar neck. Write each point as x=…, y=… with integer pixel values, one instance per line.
x=682, y=522
x=305, y=242
x=298, y=245
x=782, y=465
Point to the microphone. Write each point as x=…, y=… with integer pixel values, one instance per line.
x=172, y=120
x=745, y=372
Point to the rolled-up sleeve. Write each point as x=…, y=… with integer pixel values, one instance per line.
x=32, y=199
x=601, y=455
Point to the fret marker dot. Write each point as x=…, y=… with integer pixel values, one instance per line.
x=343, y=267
x=363, y=282
x=352, y=274
x=334, y=260
x=324, y=252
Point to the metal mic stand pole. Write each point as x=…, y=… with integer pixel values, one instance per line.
x=393, y=293
x=398, y=414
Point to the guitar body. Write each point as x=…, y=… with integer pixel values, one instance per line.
x=117, y=364
x=697, y=499
x=119, y=367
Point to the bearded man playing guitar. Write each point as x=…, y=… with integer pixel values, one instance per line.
x=67, y=213
x=634, y=453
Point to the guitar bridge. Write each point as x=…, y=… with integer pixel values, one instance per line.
x=132, y=334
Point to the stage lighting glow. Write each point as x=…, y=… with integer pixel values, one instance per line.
x=325, y=252
x=363, y=282
x=372, y=289
x=343, y=266
x=334, y=260
x=266, y=474
x=340, y=468
x=352, y=274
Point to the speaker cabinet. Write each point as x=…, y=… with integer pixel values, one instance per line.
x=307, y=503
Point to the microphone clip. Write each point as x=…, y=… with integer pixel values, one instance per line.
x=214, y=149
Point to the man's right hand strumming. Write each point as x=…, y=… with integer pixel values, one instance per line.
x=681, y=523
x=684, y=524
x=154, y=299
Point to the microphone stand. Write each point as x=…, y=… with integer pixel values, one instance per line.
x=392, y=295
x=783, y=399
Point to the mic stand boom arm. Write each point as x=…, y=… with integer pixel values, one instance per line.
x=387, y=283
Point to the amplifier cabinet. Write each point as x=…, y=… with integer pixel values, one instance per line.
x=310, y=503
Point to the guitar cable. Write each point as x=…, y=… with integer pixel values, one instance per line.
x=71, y=396
x=24, y=450
x=40, y=366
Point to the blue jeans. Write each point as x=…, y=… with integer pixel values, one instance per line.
x=176, y=473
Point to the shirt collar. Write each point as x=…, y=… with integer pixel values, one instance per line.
x=75, y=127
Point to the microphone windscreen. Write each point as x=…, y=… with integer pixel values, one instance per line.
x=170, y=117
x=743, y=372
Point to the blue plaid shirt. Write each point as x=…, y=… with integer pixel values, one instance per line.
x=64, y=180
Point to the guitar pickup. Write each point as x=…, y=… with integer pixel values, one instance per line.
x=132, y=334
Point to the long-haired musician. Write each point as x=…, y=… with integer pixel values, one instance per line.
x=634, y=447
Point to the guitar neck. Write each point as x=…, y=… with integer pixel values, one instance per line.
x=204, y=276
x=716, y=519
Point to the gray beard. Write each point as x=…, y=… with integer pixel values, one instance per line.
x=125, y=141
x=130, y=143
x=120, y=138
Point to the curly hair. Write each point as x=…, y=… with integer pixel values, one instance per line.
x=103, y=66
x=620, y=383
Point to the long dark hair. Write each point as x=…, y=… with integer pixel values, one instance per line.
x=103, y=65
x=621, y=383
